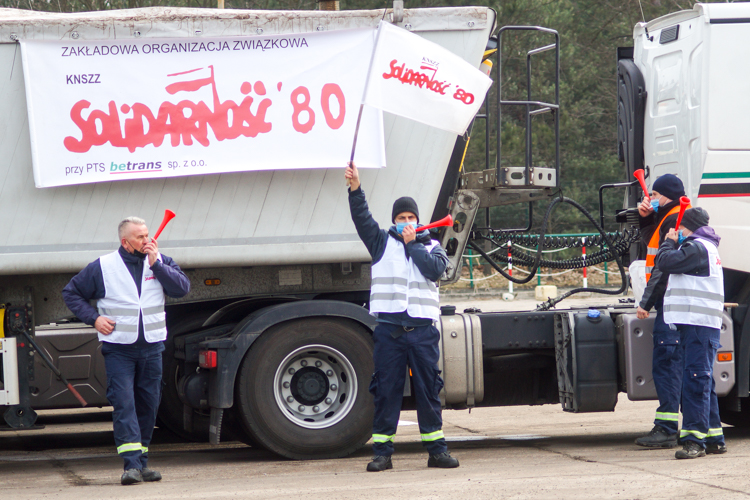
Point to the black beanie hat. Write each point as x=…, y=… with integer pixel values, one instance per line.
x=404, y=204
x=694, y=218
x=670, y=186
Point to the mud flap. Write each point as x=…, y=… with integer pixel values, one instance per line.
x=214, y=428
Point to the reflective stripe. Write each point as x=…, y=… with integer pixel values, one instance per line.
x=424, y=302
x=702, y=294
x=111, y=311
x=150, y=327
x=382, y=438
x=387, y=296
x=715, y=432
x=153, y=310
x=119, y=327
x=433, y=436
x=390, y=281
x=672, y=417
x=689, y=308
x=124, y=448
x=697, y=434
x=652, y=251
x=423, y=285
x=649, y=269
x=144, y=449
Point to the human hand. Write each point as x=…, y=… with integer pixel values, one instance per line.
x=642, y=313
x=645, y=208
x=351, y=174
x=672, y=235
x=152, y=250
x=408, y=233
x=103, y=325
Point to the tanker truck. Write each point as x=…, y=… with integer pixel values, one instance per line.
x=273, y=344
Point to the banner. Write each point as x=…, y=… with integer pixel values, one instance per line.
x=420, y=80
x=142, y=108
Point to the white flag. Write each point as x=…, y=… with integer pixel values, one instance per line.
x=420, y=80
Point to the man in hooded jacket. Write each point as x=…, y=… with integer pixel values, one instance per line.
x=694, y=305
x=406, y=264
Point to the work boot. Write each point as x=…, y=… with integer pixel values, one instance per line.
x=690, y=449
x=658, y=438
x=150, y=475
x=442, y=460
x=715, y=449
x=131, y=476
x=379, y=463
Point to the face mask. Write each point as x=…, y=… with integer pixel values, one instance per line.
x=401, y=225
x=680, y=238
x=655, y=205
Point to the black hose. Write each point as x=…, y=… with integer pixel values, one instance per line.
x=541, y=245
x=622, y=242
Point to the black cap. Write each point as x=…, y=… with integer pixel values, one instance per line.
x=694, y=218
x=670, y=186
x=404, y=204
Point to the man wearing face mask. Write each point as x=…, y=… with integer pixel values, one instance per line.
x=129, y=286
x=694, y=303
x=658, y=215
x=406, y=264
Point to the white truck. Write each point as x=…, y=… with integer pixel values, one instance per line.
x=273, y=346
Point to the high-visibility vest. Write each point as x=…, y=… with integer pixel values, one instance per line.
x=697, y=300
x=653, y=244
x=122, y=303
x=398, y=285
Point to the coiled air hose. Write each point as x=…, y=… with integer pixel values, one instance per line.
x=537, y=261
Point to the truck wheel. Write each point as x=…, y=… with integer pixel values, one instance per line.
x=302, y=389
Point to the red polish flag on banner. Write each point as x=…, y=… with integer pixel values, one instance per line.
x=418, y=79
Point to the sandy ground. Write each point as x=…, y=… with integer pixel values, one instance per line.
x=517, y=453
x=536, y=452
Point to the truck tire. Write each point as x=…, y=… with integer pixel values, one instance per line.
x=302, y=389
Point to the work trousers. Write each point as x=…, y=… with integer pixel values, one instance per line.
x=417, y=347
x=700, y=406
x=134, y=374
x=667, y=372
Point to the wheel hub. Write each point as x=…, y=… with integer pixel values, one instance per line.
x=315, y=386
x=309, y=386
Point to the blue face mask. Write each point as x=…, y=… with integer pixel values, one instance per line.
x=401, y=225
x=655, y=205
x=680, y=238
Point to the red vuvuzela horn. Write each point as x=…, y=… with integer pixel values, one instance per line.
x=168, y=216
x=445, y=221
x=638, y=174
x=684, y=202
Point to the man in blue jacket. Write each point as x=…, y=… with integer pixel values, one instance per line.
x=694, y=305
x=129, y=286
x=404, y=298
x=657, y=215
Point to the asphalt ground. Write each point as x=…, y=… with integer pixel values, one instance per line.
x=524, y=452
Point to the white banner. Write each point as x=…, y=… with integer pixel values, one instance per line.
x=133, y=109
x=418, y=79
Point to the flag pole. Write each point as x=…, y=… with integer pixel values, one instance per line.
x=364, y=93
x=356, y=129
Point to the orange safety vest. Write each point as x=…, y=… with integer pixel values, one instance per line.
x=653, y=244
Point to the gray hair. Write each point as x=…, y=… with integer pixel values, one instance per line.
x=129, y=220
